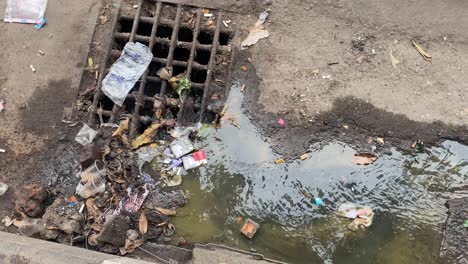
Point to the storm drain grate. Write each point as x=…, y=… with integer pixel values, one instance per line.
x=183, y=38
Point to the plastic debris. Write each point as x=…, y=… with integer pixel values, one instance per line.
x=92, y=181
x=31, y=11
x=86, y=135
x=194, y=160
x=465, y=224
x=3, y=188
x=304, y=156
x=32, y=68
x=364, y=158
x=146, y=154
x=181, y=147
x=179, y=132
x=393, y=59
x=362, y=215
x=2, y=150
x=72, y=201
x=318, y=201
x=279, y=161
x=2, y=105
x=7, y=221
x=249, y=228
x=257, y=32
x=281, y=122
x=346, y=126
x=421, y=51
x=134, y=201
x=40, y=24
x=126, y=71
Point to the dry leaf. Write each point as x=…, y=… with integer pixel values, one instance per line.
x=244, y=68
x=93, y=212
x=122, y=128
x=103, y=19
x=364, y=158
x=279, y=161
x=422, y=52
x=130, y=246
x=146, y=137
x=304, y=156
x=143, y=224
x=166, y=211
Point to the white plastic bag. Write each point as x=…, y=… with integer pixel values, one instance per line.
x=126, y=71
x=25, y=11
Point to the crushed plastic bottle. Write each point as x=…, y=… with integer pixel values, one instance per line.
x=126, y=71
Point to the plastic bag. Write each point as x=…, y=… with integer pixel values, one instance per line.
x=126, y=71
x=86, y=135
x=25, y=11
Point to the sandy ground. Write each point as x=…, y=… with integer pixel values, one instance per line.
x=31, y=125
x=308, y=37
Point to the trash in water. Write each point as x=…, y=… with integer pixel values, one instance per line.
x=3, y=188
x=7, y=221
x=281, y=122
x=362, y=215
x=364, y=158
x=126, y=71
x=257, y=32
x=304, y=156
x=318, y=201
x=250, y=228
x=194, y=160
x=86, y=135
x=31, y=11
x=40, y=24
x=422, y=52
x=166, y=211
x=279, y=161
x=181, y=147
x=93, y=181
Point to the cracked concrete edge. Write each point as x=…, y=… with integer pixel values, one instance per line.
x=20, y=249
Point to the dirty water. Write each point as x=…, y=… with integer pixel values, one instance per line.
x=406, y=192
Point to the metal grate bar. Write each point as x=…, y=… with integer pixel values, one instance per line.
x=170, y=23
x=174, y=37
x=99, y=94
x=158, y=80
x=211, y=65
x=191, y=62
x=139, y=102
x=178, y=44
x=116, y=109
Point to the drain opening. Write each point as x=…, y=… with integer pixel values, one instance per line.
x=205, y=37
x=178, y=70
x=224, y=38
x=185, y=34
x=181, y=54
x=164, y=32
x=203, y=56
x=198, y=76
x=161, y=51
x=106, y=103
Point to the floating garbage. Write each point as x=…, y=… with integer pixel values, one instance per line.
x=181, y=147
x=318, y=201
x=86, y=135
x=194, y=160
x=249, y=228
x=126, y=71
x=362, y=215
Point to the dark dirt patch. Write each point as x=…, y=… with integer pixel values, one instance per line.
x=363, y=120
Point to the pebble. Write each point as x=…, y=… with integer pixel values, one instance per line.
x=3, y=188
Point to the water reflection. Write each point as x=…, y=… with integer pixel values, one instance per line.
x=407, y=193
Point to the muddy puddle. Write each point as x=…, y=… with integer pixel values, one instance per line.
x=406, y=192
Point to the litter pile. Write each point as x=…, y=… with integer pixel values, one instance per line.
x=127, y=188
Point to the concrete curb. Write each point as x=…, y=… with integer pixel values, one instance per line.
x=16, y=249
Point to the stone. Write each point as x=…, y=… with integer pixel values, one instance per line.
x=30, y=199
x=89, y=154
x=114, y=230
